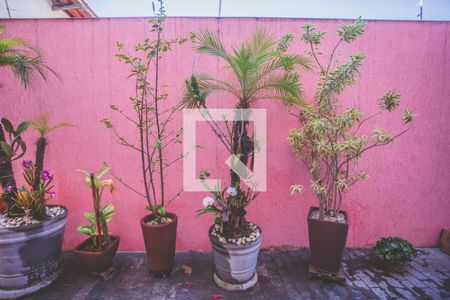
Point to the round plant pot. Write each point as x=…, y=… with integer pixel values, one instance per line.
x=160, y=242
x=29, y=256
x=96, y=261
x=327, y=242
x=235, y=265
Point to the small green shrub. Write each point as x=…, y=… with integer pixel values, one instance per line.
x=395, y=250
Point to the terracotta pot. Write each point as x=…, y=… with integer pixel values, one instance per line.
x=29, y=256
x=327, y=242
x=445, y=240
x=160, y=241
x=96, y=261
x=235, y=264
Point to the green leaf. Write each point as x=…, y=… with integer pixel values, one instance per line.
x=102, y=172
x=8, y=125
x=21, y=128
x=7, y=149
x=88, y=230
x=90, y=217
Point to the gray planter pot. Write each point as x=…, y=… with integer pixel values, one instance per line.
x=235, y=265
x=29, y=256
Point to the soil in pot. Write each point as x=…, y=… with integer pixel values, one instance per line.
x=327, y=239
x=90, y=259
x=235, y=258
x=160, y=242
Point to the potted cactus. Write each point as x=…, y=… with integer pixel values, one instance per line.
x=331, y=143
x=261, y=70
x=31, y=232
x=97, y=252
x=159, y=227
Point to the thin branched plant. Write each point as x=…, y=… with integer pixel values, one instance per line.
x=152, y=116
x=329, y=140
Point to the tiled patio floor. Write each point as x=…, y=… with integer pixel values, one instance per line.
x=282, y=275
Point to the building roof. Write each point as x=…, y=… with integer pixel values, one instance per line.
x=74, y=8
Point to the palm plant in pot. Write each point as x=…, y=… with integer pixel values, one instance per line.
x=153, y=115
x=97, y=252
x=331, y=144
x=261, y=69
x=31, y=231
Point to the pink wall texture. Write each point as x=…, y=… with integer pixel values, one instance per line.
x=407, y=194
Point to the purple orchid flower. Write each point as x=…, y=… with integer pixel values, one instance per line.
x=52, y=194
x=26, y=163
x=46, y=175
x=9, y=188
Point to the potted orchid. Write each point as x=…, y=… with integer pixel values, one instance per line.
x=331, y=142
x=31, y=230
x=261, y=70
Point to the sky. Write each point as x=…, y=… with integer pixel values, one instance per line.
x=340, y=9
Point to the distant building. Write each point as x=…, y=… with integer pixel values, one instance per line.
x=23, y=9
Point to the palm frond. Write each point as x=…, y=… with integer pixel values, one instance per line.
x=208, y=42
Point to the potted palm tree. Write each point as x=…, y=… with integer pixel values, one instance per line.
x=31, y=232
x=97, y=252
x=159, y=227
x=261, y=69
x=331, y=142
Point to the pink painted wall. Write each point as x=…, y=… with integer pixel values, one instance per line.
x=407, y=194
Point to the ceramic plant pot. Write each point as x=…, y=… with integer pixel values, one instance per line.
x=96, y=261
x=235, y=265
x=327, y=243
x=160, y=241
x=29, y=256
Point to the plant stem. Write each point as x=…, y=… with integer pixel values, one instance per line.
x=97, y=212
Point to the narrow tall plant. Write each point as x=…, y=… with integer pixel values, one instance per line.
x=152, y=115
x=261, y=69
x=330, y=141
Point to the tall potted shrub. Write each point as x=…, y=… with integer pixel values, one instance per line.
x=97, y=252
x=260, y=69
x=331, y=143
x=153, y=116
x=31, y=233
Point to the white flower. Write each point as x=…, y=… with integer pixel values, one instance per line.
x=208, y=201
x=232, y=191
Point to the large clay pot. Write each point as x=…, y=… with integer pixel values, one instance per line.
x=327, y=242
x=160, y=242
x=235, y=264
x=29, y=256
x=96, y=261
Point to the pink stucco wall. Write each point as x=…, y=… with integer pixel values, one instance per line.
x=407, y=194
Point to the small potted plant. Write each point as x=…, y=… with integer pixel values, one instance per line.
x=395, y=253
x=331, y=142
x=31, y=231
x=97, y=252
x=261, y=70
x=153, y=115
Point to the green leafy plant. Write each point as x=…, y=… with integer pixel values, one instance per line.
x=98, y=228
x=153, y=115
x=395, y=250
x=12, y=147
x=330, y=142
x=22, y=58
x=261, y=69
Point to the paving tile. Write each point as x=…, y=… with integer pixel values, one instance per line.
x=282, y=275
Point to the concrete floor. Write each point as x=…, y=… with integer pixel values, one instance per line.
x=282, y=275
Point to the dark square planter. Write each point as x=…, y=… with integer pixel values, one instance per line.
x=327, y=242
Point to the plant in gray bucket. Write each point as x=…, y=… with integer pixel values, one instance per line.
x=31, y=232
